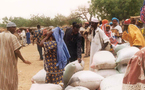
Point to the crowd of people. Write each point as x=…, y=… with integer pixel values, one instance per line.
x=61, y=48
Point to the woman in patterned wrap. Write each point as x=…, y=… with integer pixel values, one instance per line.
x=52, y=63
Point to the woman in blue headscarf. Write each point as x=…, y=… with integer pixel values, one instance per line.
x=117, y=27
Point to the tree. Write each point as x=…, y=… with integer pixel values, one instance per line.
x=122, y=9
x=82, y=12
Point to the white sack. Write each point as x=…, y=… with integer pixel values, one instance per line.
x=124, y=55
x=79, y=66
x=45, y=87
x=106, y=73
x=113, y=82
x=76, y=88
x=103, y=60
x=39, y=77
x=87, y=79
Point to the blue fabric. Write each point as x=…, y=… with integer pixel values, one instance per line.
x=62, y=51
x=28, y=37
x=110, y=23
x=114, y=18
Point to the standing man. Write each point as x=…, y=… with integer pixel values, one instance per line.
x=9, y=53
x=87, y=42
x=38, y=35
x=98, y=39
x=72, y=39
x=117, y=27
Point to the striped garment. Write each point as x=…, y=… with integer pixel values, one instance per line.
x=8, y=61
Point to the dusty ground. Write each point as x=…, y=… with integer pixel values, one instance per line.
x=26, y=72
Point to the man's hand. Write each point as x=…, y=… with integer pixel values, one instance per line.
x=27, y=62
x=79, y=60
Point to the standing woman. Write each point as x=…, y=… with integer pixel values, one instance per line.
x=56, y=55
x=23, y=35
x=28, y=37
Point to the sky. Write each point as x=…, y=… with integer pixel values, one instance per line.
x=26, y=8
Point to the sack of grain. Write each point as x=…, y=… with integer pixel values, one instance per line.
x=45, y=87
x=119, y=47
x=39, y=77
x=76, y=88
x=79, y=66
x=87, y=79
x=103, y=60
x=69, y=71
x=121, y=68
x=124, y=55
x=113, y=82
x=108, y=72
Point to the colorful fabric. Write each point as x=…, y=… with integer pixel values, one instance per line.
x=38, y=35
x=50, y=62
x=142, y=13
x=62, y=51
x=109, y=34
x=54, y=78
x=134, y=78
x=105, y=21
x=8, y=61
x=134, y=36
x=127, y=21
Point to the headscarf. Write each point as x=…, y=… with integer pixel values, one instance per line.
x=127, y=22
x=105, y=21
x=62, y=51
x=114, y=18
x=110, y=23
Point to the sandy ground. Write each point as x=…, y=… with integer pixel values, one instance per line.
x=26, y=72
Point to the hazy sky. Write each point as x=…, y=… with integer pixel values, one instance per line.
x=25, y=8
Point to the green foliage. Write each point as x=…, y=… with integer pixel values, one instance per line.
x=122, y=9
x=59, y=20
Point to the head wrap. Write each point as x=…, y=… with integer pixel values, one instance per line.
x=105, y=21
x=11, y=24
x=86, y=22
x=114, y=18
x=95, y=20
x=110, y=23
x=127, y=22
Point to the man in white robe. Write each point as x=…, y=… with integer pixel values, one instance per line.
x=98, y=39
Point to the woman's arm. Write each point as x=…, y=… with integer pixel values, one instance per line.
x=42, y=42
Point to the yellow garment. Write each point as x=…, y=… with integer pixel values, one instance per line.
x=134, y=36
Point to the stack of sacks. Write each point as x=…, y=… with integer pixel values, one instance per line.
x=45, y=87
x=104, y=62
x=123, y=57
x=70, y=69
x=76, y=88
x=113, y=82
x=39, y=77
x=87, y=79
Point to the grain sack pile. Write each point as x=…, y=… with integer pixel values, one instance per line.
x=70, y=69
x=113, y=82
x=45, y=87
x=104, y=62
x=123, y=57
x=87, y=79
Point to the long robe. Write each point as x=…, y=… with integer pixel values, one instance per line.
x=8, y=61
x=28, y=37
x=96, y=43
